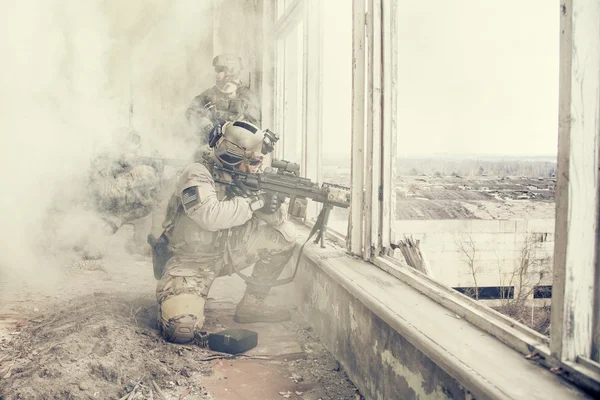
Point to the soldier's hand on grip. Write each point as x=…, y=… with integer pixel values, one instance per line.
x=273, y=203
x=257, y=201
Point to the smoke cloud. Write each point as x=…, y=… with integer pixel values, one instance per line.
x=75, y=74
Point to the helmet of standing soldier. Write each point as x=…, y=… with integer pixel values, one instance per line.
x=240, y=142
x=228, y=68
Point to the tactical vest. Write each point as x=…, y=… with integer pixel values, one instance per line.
x=227, y=108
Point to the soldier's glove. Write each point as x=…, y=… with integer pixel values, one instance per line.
x=273, y=203
x=256, y=200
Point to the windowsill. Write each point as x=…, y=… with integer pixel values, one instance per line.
x=481, y=363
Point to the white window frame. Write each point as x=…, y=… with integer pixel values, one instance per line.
x=575, y=331
x=307, y=12
x=574, y=346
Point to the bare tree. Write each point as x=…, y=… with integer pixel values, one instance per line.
x=532, y=269
x=466, y=246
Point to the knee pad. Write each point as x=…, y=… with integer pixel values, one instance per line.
x=180, y=317
x=180, y=329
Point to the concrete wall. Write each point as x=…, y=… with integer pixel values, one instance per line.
x=378, y=360
x=495, y=245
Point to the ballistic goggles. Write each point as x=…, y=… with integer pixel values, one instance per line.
x=231, y=154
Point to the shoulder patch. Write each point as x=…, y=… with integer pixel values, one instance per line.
x=190, y=197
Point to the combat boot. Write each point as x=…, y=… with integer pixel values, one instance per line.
x=254, y=309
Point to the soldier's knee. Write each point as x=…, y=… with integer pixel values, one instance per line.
x=181, y=316
x=179, y=329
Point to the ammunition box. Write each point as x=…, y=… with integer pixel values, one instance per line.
x=232, y=341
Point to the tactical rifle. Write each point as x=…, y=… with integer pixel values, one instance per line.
x=286, y=182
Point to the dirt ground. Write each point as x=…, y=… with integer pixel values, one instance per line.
x=93, y=335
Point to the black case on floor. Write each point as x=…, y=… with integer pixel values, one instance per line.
x=232, y=341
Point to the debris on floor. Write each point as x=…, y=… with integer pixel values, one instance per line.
x=106, y=345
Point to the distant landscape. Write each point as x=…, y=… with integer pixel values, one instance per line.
x=465, y=165
x=466, y=187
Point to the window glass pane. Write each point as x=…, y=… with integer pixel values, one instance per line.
x=337, y=101
x=477, y=135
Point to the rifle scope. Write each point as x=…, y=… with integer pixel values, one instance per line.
x=286, y=166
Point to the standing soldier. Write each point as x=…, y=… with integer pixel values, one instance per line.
x=228, y=100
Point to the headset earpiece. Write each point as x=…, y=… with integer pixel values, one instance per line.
x=215, y=135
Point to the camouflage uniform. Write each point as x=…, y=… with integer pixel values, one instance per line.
x=199, y=234
x=123, y=189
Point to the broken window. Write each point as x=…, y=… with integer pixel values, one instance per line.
x=468, y=169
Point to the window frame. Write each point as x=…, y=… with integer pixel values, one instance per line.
x=572, y=350
x=575, y=337
x=570, y=354
x=307, y=13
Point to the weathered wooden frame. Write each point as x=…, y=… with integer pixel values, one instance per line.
x=390, y=114
x=355, y=238
x=373, y=143
x=574, y=347
x=374, y=132
x=575, y=290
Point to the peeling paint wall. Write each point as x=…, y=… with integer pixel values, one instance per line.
x=378, y=360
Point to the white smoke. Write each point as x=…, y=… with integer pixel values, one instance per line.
x=71, y=72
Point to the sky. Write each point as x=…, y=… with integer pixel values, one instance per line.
x=475, y=77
